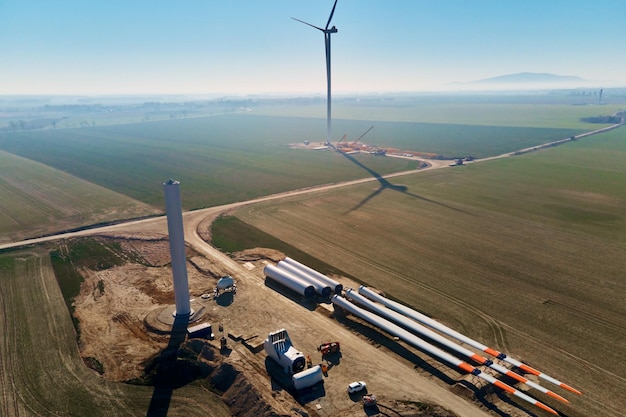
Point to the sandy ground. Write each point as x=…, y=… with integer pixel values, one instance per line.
x=117, y=310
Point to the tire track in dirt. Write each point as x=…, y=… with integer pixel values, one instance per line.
x=594, y=317
x=7, y=384
x=546, y=345
x=33, y=313
x=22, y=399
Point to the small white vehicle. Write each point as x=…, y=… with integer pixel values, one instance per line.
x=356, y=386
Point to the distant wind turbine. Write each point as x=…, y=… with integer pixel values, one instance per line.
x=327, y=33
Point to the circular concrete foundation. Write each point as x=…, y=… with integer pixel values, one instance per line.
x=183, y=315
x=161, y=319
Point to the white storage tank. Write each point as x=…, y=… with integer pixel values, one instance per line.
x=225, y=283
x=307, y=378
x=289, y=280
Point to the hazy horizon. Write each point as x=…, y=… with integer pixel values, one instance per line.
x=254, y=47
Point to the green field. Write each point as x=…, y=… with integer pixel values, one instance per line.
x=230, y=158
x=531, y=110
x=218, y=159
x=37, y=199
x=524, y=253
x=41, y=372
x=72, y=178
x=459, y=140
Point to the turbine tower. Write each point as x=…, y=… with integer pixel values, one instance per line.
x=327, y=32
x=174, y=212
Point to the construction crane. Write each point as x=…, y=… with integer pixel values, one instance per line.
x=354, y=144
x=341, y=140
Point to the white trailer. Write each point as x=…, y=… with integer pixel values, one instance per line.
x=307, y=378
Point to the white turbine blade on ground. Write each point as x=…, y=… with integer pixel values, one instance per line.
x=418, y=342
x=415, y=327
x=409, y=312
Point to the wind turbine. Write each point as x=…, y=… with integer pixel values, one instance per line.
x=327, y=33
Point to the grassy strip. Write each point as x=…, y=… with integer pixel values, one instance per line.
x=230, y=234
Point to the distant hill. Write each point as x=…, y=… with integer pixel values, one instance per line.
x=530, y=78
x=526, y=80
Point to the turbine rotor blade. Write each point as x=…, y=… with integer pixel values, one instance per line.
x=331, y=14
x=402, y=309
x=313, y=26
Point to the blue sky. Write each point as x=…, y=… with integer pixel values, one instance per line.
x=252, y=46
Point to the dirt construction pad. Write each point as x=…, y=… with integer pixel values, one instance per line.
x=124, y=314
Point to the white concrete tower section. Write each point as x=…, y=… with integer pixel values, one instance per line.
x=177, y=246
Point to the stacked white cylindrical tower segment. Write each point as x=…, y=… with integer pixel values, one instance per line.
x=321, y=288
x=408, y=312
x=174, y=212
x=289, y=280
x=334, y=285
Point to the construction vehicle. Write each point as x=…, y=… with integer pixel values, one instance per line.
x=352, y=147
x=342, y=145
x=375, y=150
x=341, y=140
x=330, y=347
x=369, y=400
x=356, y=386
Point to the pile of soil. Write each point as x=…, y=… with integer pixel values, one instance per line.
x=258, y=254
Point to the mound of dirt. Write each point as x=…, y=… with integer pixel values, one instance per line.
x=245, y=401
x=258, y=254
x=197, y=359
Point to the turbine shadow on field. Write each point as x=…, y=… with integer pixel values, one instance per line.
x=163, y=384
x=386, y=185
